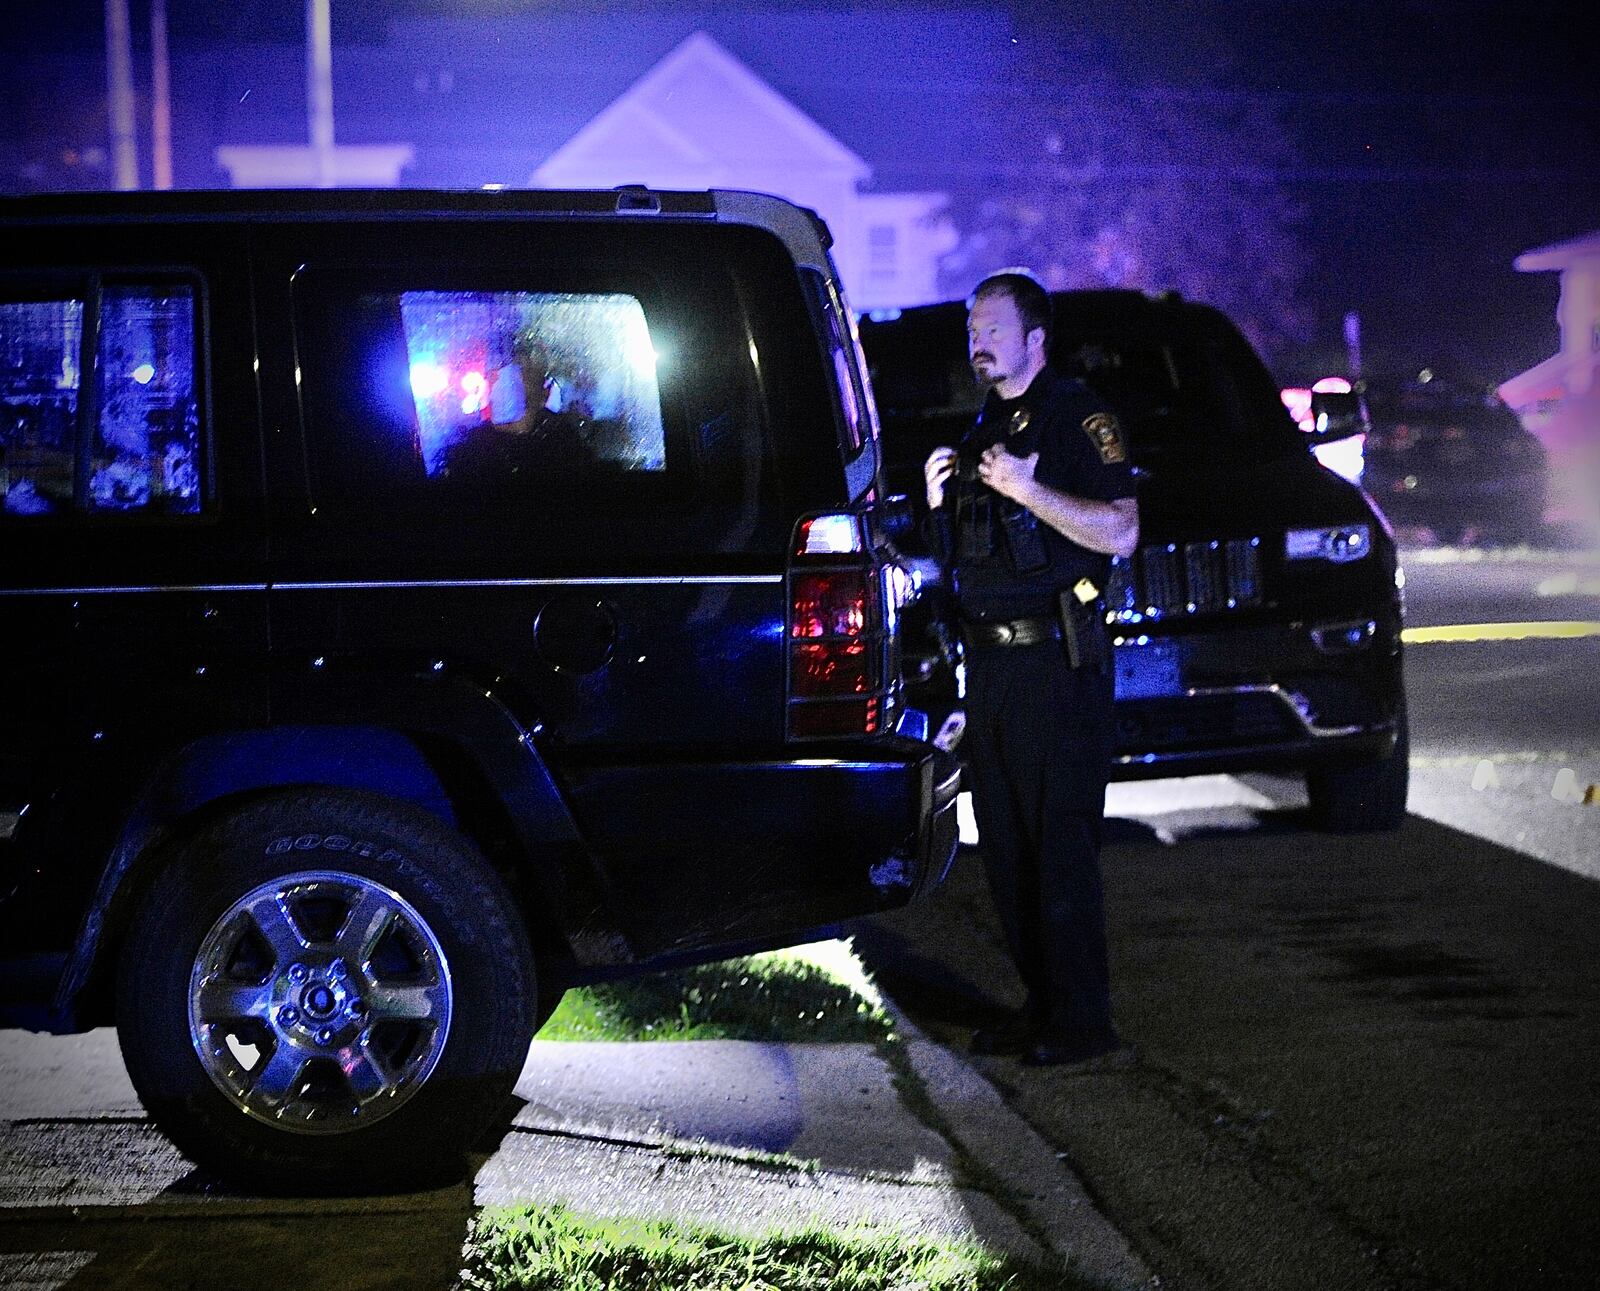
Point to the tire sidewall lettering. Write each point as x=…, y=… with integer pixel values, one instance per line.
x=344, y=844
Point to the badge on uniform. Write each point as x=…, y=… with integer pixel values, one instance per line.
x=1019, y=422
x=1106, y=436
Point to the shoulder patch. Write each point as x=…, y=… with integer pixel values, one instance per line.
x=1106, y=435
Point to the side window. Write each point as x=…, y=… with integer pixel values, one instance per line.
x=581, y=386
x=128, y=441
x=145, y=445
x=40, y=348
x=486, y=393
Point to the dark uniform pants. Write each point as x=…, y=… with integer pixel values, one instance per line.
x=1037, y=749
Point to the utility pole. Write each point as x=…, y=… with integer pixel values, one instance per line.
x=319, y=88
x=160, y=98
x=1352, y=343
x=119, y=86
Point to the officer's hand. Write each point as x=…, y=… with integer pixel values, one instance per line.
x=1007, y=475
x=936, y=471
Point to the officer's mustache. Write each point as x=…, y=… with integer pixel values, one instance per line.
x=983, y=356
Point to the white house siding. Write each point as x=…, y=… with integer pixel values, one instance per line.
x=1559, y=399
x=701, y=119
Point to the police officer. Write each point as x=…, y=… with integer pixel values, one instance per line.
x=1025, y=515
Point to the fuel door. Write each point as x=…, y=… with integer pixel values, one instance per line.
x=576, y=634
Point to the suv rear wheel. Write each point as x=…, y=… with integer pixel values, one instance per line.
x=326, y=992
x=1370, y=796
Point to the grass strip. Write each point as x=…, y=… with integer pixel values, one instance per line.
x=806, y=994
x=555, y=1249
x=814, y=993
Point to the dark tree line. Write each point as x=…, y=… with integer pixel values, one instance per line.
x=1153, y=189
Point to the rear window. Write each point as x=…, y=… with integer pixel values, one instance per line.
x=126, y=439
x=434, y=391
x=512, y=381
x=837, y=327
x=1437, y=404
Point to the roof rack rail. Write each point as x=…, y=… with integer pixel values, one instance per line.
x=637, y=198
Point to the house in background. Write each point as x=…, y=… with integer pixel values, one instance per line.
x=567, y=98
x=288, y=165
x=1559, y=399
x=702, y=119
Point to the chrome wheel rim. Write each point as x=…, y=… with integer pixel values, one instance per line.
x=320, y=1002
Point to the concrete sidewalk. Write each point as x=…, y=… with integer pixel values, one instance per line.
x=742, y=1135
x=749, y=1136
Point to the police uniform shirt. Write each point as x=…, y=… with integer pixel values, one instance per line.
x=1008, y=563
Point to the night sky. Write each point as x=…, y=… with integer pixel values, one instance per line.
x=1435, y=141
x=1439, y=141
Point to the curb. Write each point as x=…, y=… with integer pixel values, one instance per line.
x=1037, y=1182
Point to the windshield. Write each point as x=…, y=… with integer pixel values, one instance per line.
x=1178, y=397
x=1183, y=394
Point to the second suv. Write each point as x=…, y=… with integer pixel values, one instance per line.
x=1258, y=625
x=1451, y=459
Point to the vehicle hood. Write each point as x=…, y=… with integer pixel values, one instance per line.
x=1184, y=501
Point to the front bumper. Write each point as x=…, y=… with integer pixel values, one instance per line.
x=1269, y=696
x=1257, y=730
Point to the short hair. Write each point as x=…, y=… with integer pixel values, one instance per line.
x=1025, y=292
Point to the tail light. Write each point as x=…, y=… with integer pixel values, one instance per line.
x=840, y=635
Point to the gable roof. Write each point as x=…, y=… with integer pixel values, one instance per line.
x=907, y=87
x=1561, y=254
x=700, y=106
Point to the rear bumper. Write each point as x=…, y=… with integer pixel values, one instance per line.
x=699, y=853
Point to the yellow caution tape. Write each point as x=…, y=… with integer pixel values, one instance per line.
x=1559, y=630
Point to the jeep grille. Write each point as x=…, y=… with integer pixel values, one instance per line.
x=1166, y=579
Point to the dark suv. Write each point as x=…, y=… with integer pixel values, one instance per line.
x=1258, y=625
x=415, y=604
x=1448, y=457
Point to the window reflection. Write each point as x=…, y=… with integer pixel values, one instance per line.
x=512, y=382
x=39, y=348
x=143, y=448
x=147, y=441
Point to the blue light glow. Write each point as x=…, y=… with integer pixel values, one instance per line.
x=428, y=378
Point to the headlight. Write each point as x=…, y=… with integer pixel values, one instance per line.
x=1340, y=545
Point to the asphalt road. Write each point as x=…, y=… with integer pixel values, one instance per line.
x=1500, y=695
x=1362, y=1062
x=1506, y=732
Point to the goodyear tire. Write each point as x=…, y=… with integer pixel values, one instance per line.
x=326, y=992
x=1368, y=797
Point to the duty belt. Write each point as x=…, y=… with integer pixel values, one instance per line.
x=1010, y=632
